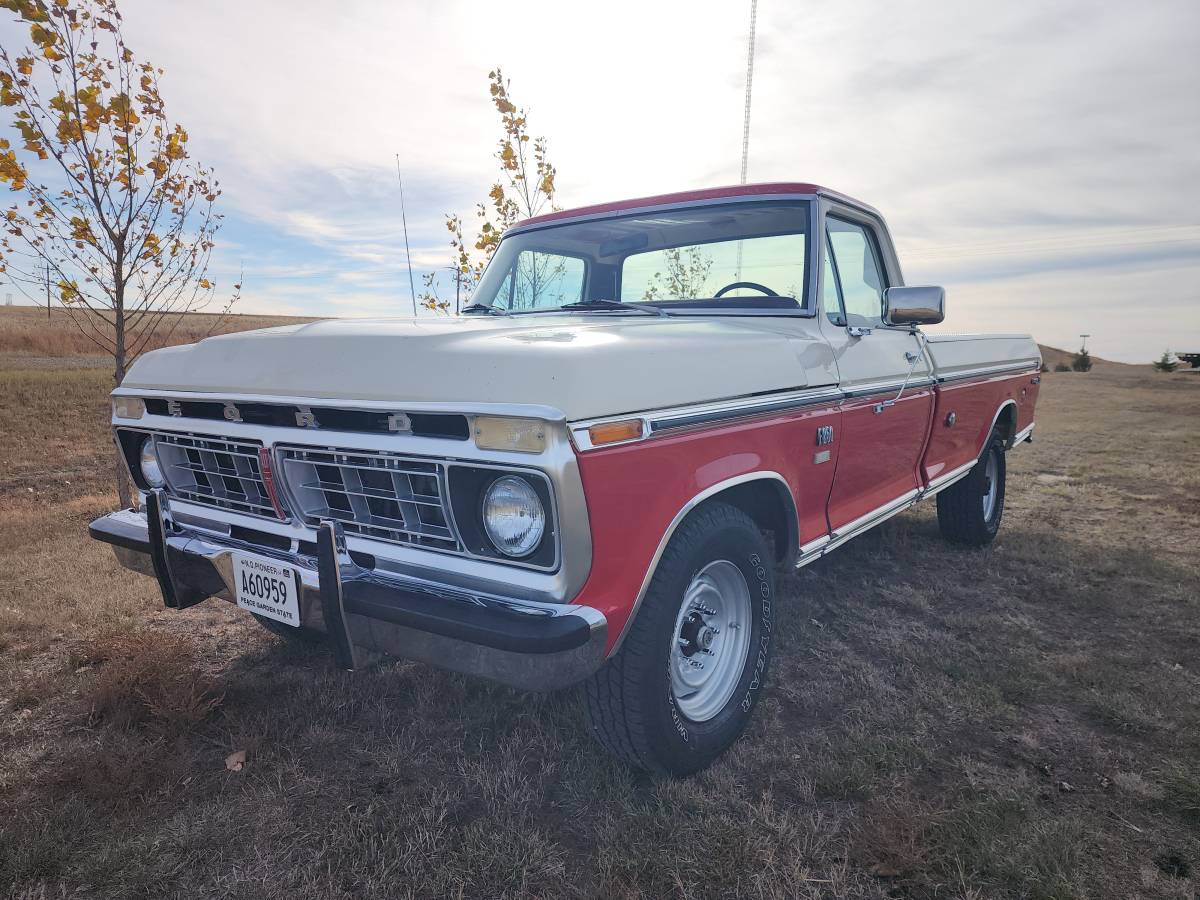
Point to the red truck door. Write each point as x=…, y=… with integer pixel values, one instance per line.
x=883, y=431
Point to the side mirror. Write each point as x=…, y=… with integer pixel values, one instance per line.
x=914, y=305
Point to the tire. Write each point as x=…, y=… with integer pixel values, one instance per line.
x=969, y=512
x=301, y=637
x=651, y=704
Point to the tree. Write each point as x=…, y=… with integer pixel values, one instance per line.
x=686, y=275
x=113, y=205
x=1082, y=361
x=112, y=208
x=1166, y=363
x=524, y=189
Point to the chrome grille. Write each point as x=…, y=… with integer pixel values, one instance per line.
x=378, y=495
x=214, y=472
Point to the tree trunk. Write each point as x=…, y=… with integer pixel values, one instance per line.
x=125, y=492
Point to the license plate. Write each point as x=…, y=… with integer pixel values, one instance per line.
x=267, y=587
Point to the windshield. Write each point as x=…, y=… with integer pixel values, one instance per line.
x=722, y=257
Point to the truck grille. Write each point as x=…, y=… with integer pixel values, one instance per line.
x=214, y=472
x=378, y=495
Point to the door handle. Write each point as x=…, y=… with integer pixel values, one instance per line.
x=858, y=331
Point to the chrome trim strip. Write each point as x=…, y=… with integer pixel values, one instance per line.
x=888, y=387
x=946, y=479
x=669, y=533
x=989, y=370
x=858, y=526
x=661, y=420
x=1025, y=434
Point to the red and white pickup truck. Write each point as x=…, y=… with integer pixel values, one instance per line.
x=594, y=473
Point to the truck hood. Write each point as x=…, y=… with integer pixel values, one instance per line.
x=584, y=366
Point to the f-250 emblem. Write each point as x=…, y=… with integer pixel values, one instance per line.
x=824, y=435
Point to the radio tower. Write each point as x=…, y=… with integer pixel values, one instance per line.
x=749, y=86
x=746, y=119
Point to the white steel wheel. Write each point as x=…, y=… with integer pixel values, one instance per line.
x=711, y=641
x=991, y=482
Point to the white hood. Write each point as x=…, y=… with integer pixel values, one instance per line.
x=583, y=365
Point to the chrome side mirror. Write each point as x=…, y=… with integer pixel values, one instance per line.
x=914, y=305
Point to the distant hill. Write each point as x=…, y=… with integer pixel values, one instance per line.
x=1052, y=356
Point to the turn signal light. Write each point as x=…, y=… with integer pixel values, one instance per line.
x=523, y=435
x=128, y=407
x=614, y=432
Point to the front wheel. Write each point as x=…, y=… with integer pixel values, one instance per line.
x=969, y=511
x=684, y=683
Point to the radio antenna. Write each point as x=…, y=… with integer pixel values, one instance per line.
x=412, y=287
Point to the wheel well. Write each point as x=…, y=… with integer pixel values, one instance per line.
x=1006, y=422
x=767, y=501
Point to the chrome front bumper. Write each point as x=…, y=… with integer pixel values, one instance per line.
x=525, y=644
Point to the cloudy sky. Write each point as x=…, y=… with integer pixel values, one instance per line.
x=1042, y=161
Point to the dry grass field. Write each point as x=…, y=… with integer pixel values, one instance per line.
x=29, y=331
x=1022, y=721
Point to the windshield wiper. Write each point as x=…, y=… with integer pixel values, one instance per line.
x=614, y=304
x=484, y=308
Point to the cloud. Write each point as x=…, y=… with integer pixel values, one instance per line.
x=1031, y=158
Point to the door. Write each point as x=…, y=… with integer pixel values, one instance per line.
x=883, y=429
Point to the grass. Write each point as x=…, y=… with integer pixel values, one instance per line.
x=1015, y=722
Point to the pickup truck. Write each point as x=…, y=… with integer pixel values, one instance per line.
x=593, y=474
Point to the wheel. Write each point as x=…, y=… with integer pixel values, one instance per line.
x=684, y=683
x=969, y=512
x=300, y=636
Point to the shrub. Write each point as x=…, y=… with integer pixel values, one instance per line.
x=1062, y=367
x=1082, y=361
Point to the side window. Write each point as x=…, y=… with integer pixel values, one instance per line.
x=542, y=281
x=859, y=273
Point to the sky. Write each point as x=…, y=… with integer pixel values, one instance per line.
x=1038, y=160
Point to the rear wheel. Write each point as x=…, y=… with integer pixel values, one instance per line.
x=969, y=512
x=684, y=684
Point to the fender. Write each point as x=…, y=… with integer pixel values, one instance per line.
x=1008, y=439
x=708, y=492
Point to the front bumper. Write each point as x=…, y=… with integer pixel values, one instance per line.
x=525, y=644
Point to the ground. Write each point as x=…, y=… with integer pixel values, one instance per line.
x=1020, y=721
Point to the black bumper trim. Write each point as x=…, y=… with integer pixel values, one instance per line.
x=119, y=534
x=486, y=626
x=495, y=628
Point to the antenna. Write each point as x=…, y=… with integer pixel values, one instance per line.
x=408, y=253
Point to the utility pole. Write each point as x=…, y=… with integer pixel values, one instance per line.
x=1083, y=349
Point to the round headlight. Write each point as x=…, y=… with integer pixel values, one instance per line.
x=513, y=516
x=151, y=470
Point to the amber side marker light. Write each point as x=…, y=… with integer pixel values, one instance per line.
x=615, y=432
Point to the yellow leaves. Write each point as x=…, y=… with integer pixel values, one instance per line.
x=121, y=108
x=47, y=40
x=12, y=172
x=158, y=166
x=81, y=230
x=175, y=141
x=205, y=284
x=68, y=291
x=25, y=65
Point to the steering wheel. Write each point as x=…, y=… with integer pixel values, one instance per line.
x=753, y=285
